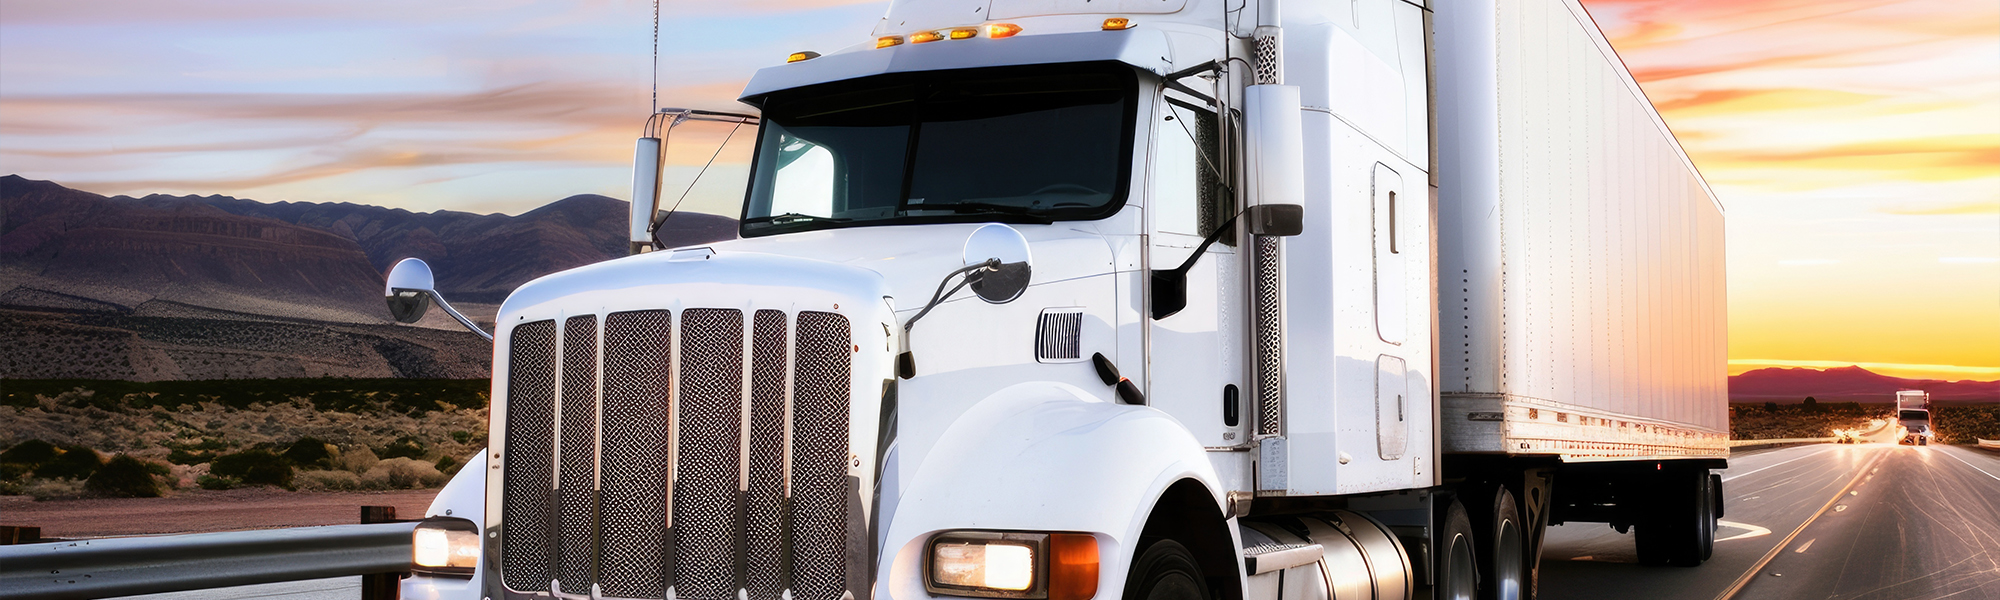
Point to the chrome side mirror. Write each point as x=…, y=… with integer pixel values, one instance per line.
x=1000, y=284
x=412, y=288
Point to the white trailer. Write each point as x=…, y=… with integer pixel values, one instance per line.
x=1348, y=300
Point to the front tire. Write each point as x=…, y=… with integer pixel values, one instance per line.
x=1166, y=571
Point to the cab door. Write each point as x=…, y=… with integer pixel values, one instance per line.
x=1195, y=356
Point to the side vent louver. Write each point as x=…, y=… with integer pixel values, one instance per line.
x=1059, y=336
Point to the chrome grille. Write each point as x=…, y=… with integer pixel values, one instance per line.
x=576, y=469
x=707, y=479
x=525, y=495
x=634, y=505
x=700, y=487
x=820, y=494
x=765, y=501
x=1267, y=295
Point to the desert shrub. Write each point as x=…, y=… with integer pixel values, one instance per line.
x=462, y=437
x=447, y=465
x=402, y=473
x=357, y=460
x=217, y=482
x=54, y=489
x=254, y=467
x=12, y=471
x=123, y=477
x=309, y=452
x=404, y=447
x=326, y=481
x=76, y=462
x=1966, y=423
x=32, y=453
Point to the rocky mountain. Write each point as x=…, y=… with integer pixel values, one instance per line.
x=1849, y=384
x=193, y=287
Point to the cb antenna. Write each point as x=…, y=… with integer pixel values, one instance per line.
x=656, y=55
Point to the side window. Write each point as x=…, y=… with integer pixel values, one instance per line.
x=1187, y=196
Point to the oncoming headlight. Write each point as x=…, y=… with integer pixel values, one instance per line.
x=1007, y=564
x=445, y=546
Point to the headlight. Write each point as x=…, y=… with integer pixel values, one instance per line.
x=445, y=546
x=996, y=564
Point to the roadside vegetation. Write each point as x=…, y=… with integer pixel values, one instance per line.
x=1966, y=423
x=1810, y=419
x=83, y=438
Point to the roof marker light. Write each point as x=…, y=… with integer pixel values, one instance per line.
x=1117, y=23
x=922, y=37
x=799, y=56
x=888, y=40
x=964, y=32
x=1000, y=30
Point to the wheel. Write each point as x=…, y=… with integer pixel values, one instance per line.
x=1707, y=522
x=1166, y=571
x=1671, y=530
x=1497, y=531
x=1457, y=571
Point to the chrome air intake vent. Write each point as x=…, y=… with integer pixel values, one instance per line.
x=707, y=475
x=1059, y=335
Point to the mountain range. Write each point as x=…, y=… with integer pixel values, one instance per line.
x=1849, y=384
x=194, y=287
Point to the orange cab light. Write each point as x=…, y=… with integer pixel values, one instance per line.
x=925, y=36
x=1117, y=23
x=1072, y=566
x=1000, y=30
x=963, y=33
x=799, y=56
x=888, y=40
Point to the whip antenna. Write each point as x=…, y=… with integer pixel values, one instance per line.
x=656, y=55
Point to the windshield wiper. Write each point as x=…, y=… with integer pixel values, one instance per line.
x=792, y=218
x=968, y=208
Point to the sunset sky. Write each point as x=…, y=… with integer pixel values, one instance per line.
x=1856, y=143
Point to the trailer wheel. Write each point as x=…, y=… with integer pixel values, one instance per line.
x=1498, y=533
x=1672, y=530
x=1457, y=570
x=1166, y=571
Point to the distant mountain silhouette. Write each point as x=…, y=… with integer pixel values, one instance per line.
x=1849, y=384
x=192, y=287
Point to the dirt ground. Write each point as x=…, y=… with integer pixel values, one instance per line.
x=199, y=511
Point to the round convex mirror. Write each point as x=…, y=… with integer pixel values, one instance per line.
x=996, y=241
x=409, y=290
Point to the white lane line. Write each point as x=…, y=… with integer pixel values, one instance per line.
x=1744, y=579
x=1810, y=455
x=1750, y=531
x=1803, y=547
x=1969, y=464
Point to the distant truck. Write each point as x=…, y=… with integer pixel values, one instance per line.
x=1913, y=412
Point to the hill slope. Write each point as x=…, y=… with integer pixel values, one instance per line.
x=1849, y=384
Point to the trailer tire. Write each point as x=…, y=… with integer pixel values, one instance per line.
x=1676, y=522
x=1498, y=531
x=1708, y=510
x=1166, y=571
x=1457, y=563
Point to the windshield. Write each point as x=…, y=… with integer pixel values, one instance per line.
x=1012, y=144
x=1916, y=415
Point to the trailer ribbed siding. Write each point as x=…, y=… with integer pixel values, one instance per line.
x=1582, y=306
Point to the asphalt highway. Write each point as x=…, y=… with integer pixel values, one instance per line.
x=1823, y=521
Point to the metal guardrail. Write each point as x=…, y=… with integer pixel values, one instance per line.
x=173, y=563
x=1742, y=443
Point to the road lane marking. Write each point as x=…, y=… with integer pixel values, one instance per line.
x=1749, y=531
x=1810, y=455
x=1744, y=580
x=1969, y=464
x=1803, y=547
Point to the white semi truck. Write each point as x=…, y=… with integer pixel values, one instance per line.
x=1268, y=300
x=1913, y=414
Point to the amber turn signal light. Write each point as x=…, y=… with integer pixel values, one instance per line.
x=799, y=56
x=1117, y=23
x=1072, y=566
x=963, y=33
x=922, y=37
x=1000, y=30
x=888, y=40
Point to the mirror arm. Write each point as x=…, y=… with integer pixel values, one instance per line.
x=906, y=363
x=1174, y=281
x=1173, y=80
x=439, y=299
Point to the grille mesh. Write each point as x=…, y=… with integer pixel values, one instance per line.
x=708, y=474
x=525, y=495
x=763, y=517
x=634, y=512
x=1268, y=69
x=1058, y=336
x=576, y=473
x=1270, y=339
x=819, y=443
